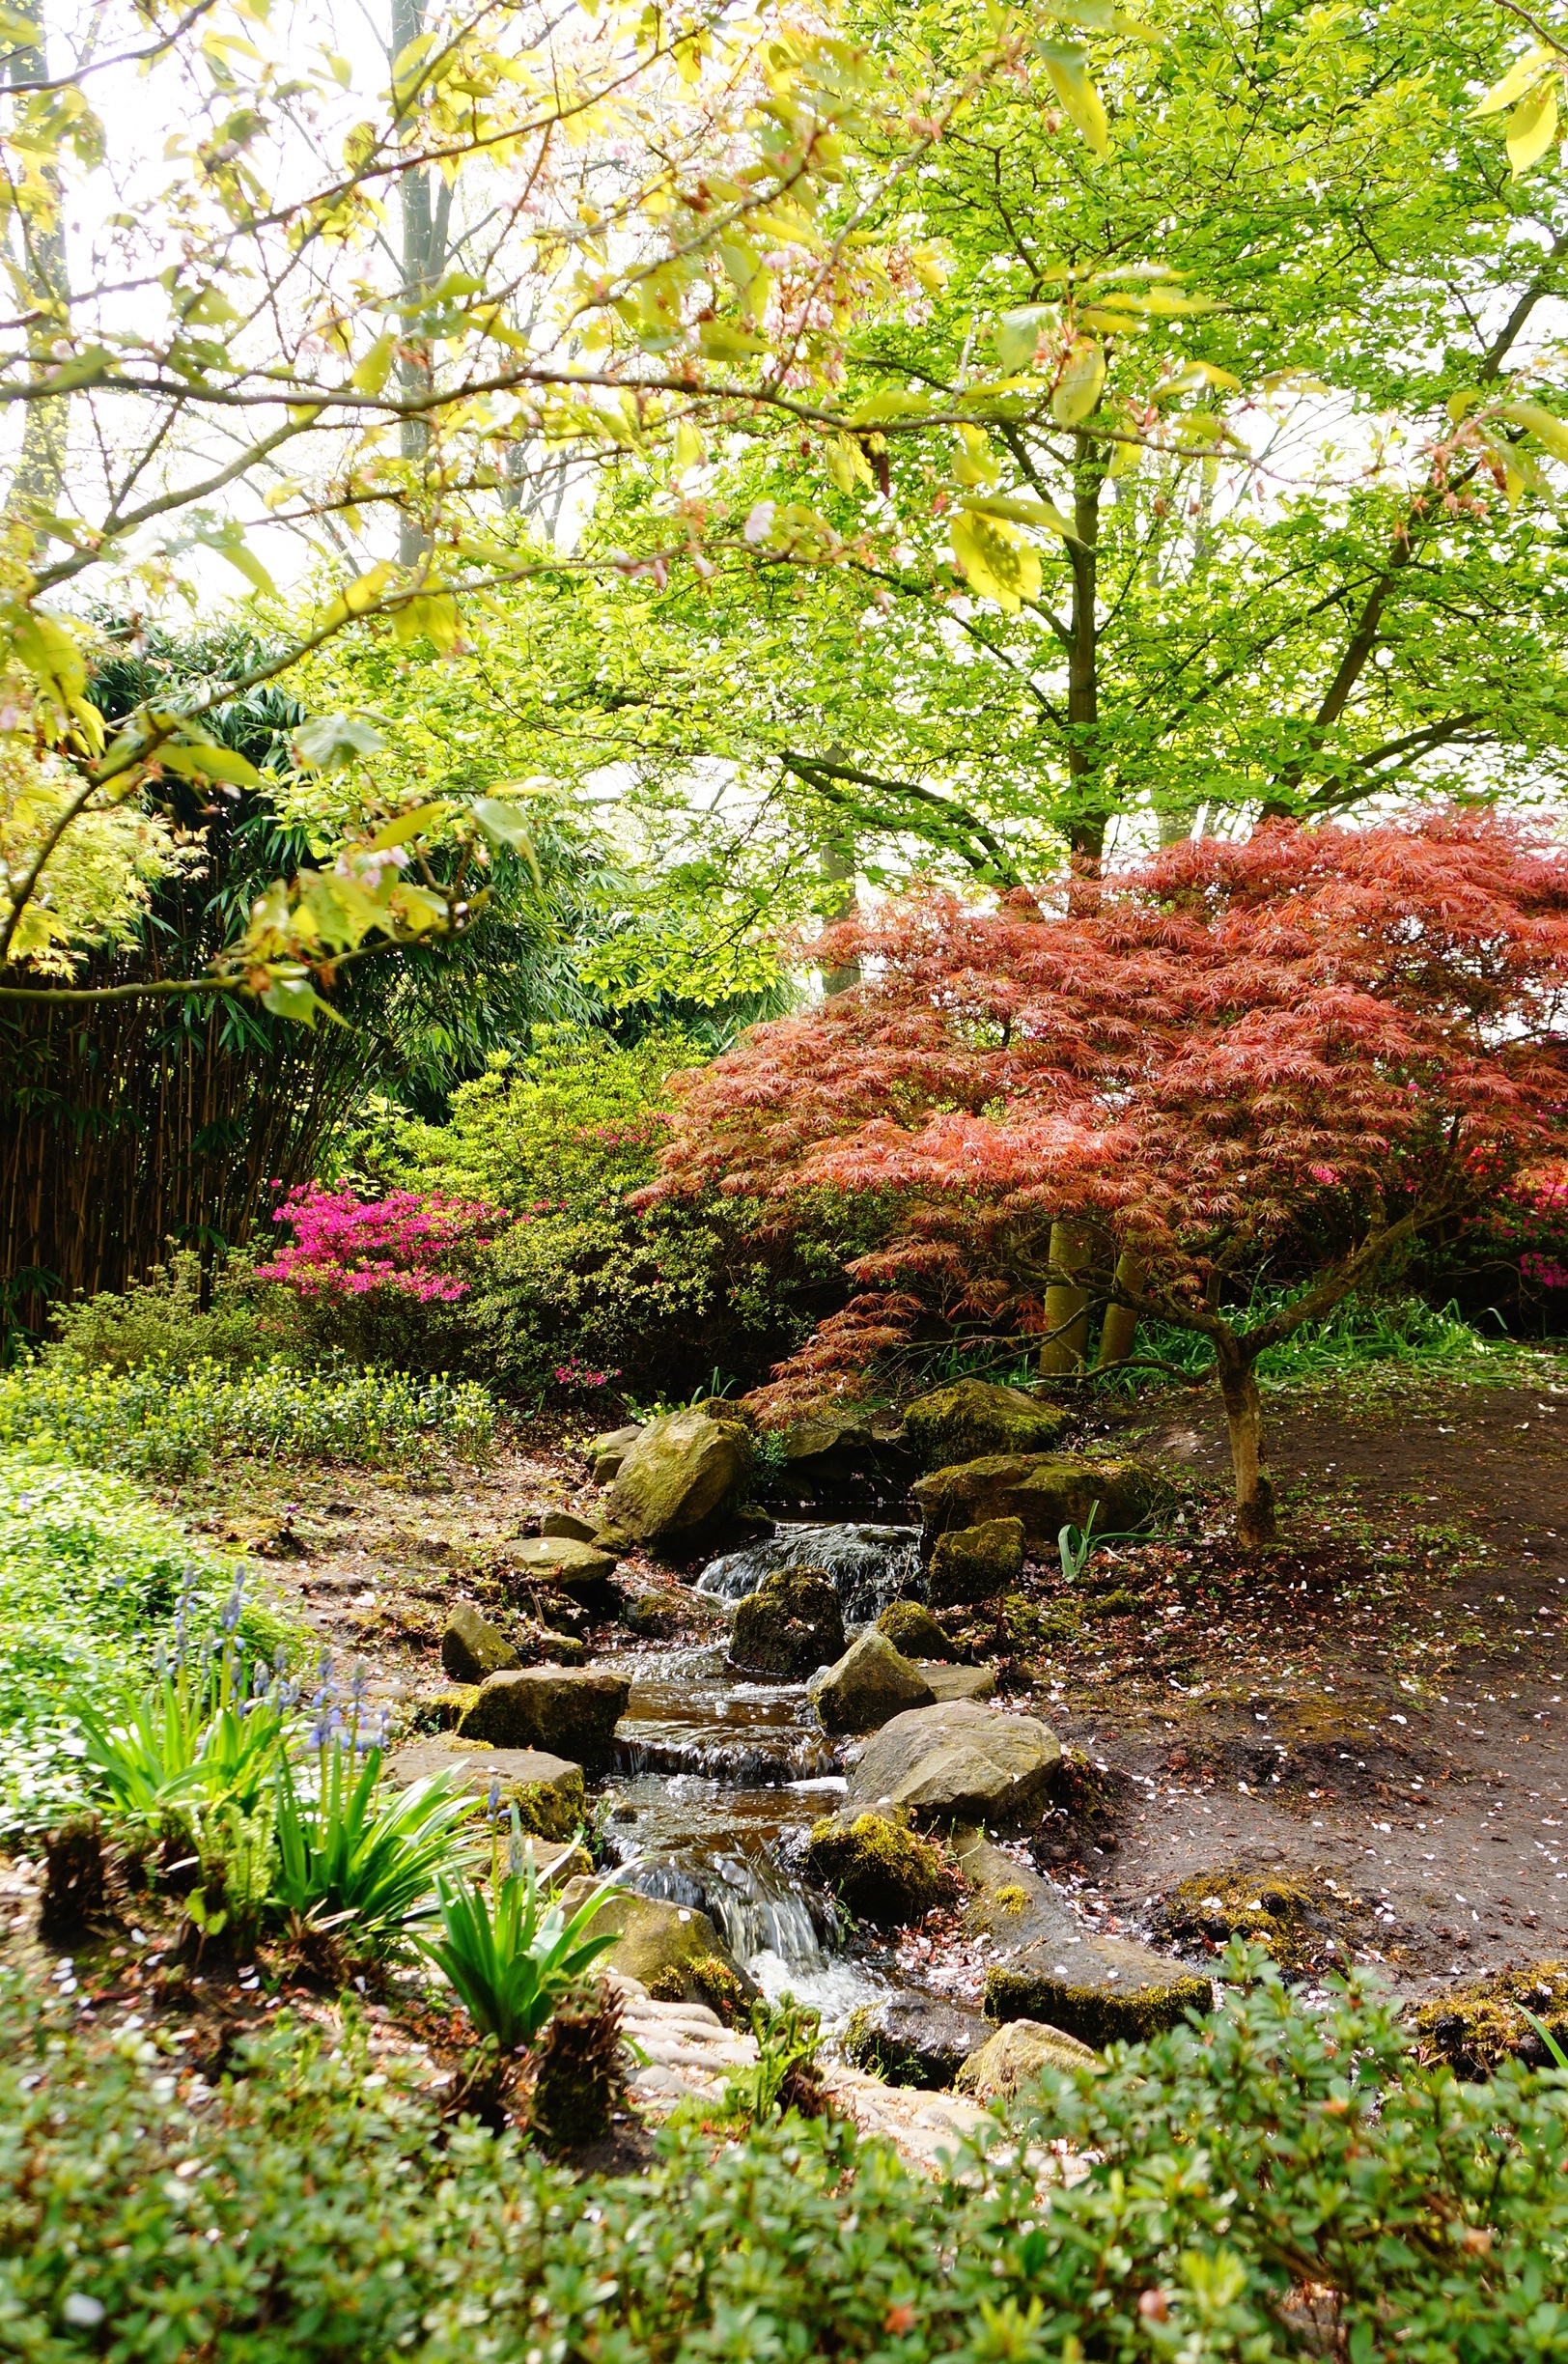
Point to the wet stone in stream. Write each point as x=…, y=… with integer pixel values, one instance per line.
x=869, y=1566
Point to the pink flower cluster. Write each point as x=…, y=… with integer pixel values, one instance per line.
x=344, y=1246
x=1545, y=1270
x=574, y=1374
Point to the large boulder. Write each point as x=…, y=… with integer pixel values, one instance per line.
x=974, y=1564
x=790, y=1626
x=885, y=1874
x=974, y=1417
x=1046, y=1965
x=914, y=1630
x=956, y=1762
x=674, y=1950
x=1015, y=2056
x=914, y=2040
x=569, y=1524
x=545, y=1790
x=472, y=1648
x=570, y=1711
x=1046, y=1491
x=680, y=1475
x=870, y=1683
x=825, y=1445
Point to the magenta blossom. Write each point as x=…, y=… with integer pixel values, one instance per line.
x=402, y=1245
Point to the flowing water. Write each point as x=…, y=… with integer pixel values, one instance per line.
x=721, y=1775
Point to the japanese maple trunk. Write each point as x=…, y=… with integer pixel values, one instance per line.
x=1256, y=1522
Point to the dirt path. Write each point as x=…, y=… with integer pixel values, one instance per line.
x=1382, y=1707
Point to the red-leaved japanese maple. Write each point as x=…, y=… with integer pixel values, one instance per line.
x=1321, y=1040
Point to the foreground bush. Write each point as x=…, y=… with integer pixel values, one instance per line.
x=158, y=1424
x=1276, y=2183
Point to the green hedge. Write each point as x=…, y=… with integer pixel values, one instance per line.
x=317, y=2207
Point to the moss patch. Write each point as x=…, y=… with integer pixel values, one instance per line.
x=442, y=1711
x=1097, y=2016
x=714, y=1982
x=884, y=1875
x=912, y=1630
x=1477, y=2026
x=1307, y=1924
x=550, y=1810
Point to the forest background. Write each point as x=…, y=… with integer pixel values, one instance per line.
x=714, y=472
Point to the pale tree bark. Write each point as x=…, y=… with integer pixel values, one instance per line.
x=1255, y=1520
x=425, y=201
x=39, y=481
x=838, y=869
x=1067, y=1300
x=1119, y=1328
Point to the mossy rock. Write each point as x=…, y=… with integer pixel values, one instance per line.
x=871, y=1683
x=442, y=1711
x=472, y=1646
x=672, y=1950
x=791, y=1625
x=570, y=1711
x=1111, y=2005
x=1306, y=1925
x=974, y=1564
x=1046, y=1491
x=913, y=1631
x=885, y=1874
x=716, y=1984
x=974, y=1417
x=681, y=1475
x=1016, y=2056
x=1477, y=2026
x=912, y=2040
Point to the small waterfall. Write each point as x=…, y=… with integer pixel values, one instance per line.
x=869, y=1566
x=745, y=1763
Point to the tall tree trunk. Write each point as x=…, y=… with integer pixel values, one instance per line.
x=1067, y=1300
x=1120, y=1326
x=1256, y=1522
x=425, y=225
x=838, y=869
x=1087, y=820
x=39, y=478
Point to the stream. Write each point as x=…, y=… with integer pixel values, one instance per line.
x=721, y=1775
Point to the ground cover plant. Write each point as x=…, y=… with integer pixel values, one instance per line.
x=157, y=1423
x=92, y=1578
x=1255, y=2187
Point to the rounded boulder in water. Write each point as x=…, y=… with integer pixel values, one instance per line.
x=790, y=1626
x=870, y=1683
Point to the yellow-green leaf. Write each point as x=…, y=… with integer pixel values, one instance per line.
x=205, y=759
x=408, y=825
x=1514, y=82
x=1532, y=126
x=506, y=825
x=1544, y=425
x=1017, y=334
x=1021, y=509
x=372, y=374
x=1078, y=391
x=688, y=449
x=1000, y=564
x=1069, y=80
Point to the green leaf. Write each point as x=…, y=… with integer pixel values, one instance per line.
x=333, y=742
x=205, y=759
x=1017, y=334
x=1544, y=425
x=372, y=373
x=1000, y=564
x=295, y=998
x=508, y=826
x=1514, y=82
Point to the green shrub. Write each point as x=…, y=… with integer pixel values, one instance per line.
x=1279, y=2183
x=159, y=1424
x=160, y=1321
x=512, y=1955
x=91, y=1577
